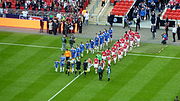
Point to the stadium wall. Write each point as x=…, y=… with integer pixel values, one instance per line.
x=21, y=23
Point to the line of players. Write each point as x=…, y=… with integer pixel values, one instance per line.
x=101, y=39
x=118, y=50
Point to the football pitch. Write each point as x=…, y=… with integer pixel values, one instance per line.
x=148, y=73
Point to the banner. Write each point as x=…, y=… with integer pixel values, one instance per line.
x=21, y=23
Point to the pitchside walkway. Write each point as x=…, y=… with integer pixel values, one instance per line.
x=90, y=30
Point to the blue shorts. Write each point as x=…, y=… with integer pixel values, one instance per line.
x=92, y=46
x=78, y=54
x=96, y=44
x=73, y=55
x=62, y=63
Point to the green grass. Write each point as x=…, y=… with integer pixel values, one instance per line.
x=27, y=73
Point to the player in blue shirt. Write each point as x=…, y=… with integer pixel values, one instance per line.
x=62, y=62
x=73, y=52
x=73, y=62
x=56, y=65
x=106, y=35
x=101, y=37
x=87, y=46
x=96, y=39
x=78, y=52
x=82, y=49
x=92, y=46
x=110, y=32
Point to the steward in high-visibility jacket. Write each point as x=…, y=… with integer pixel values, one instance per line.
x=67, y=54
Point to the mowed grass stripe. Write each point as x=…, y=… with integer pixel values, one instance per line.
x=93, y=87
x=11, y=54
x=141, y=79
x=40, y=79
x=157, y=82
x=10, y=38
x=169, y=91
x=4, y=35
x=9, y=51
x=171, y=51
x=17, y=80
x=53, y=86
x=19, y=67
x=23, y=69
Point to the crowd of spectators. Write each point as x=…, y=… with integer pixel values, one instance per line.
x=67, y=23
x=146, y=8
x=70, y=6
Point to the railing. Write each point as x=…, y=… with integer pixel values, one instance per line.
x=93, y=8
x=102, y=11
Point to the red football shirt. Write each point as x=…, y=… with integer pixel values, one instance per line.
x=96, y=61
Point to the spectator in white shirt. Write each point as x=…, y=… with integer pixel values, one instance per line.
x=59, y=16
x=174, y=31
x=25, y=13
x=86, y=15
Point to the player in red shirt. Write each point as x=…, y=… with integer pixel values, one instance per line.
x=118, y=42
x=120, y=55
x=108, y=52
x=126, y=36
x=109, y=60
x=132, y=34
x=104, y=55
x=125, y=49
x=130, y=30
x=103, y=63
x=96, y=62
x=114, y=58
x=113, y=49
x=122, y=40
x=131, y=43
x=89, y=64
x=137, y=38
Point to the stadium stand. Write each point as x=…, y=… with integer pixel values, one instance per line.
x=121, y=8
x=173, y=10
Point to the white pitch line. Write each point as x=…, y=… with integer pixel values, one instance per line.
x=156, y=56
x=162, y=49
x=65, y=87
x=13, y=44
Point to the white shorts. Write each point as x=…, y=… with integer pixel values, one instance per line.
x=122, y=44
x=109, y=61
x=114, y=59
x=125, y=50
x=122, y=53
x=138, y=40
x=95, y=65
x=131, y=43
x=113, y=53
x=104, y=57
x=120, y=56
